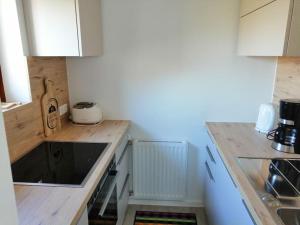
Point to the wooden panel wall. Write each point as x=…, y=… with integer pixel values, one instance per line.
x=287, y=84
x=24, y=125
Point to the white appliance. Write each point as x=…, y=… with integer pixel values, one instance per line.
x=266, y=118
x=86, y=113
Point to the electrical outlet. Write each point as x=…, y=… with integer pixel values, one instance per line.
x=63, y=109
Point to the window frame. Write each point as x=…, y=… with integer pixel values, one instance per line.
x=2, y=91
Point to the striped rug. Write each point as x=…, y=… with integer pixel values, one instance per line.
x=164, y=218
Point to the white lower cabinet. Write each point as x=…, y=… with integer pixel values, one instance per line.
x=122, y=179
x=84, y=220
x=224, y=204
x=123, y=202
x=122, y=183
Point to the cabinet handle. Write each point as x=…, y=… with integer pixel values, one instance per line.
x=108, y=196
x=123, y=153
x=124, y=186
x=214, y=161
x=210, y=154
x=248, y=211
x=231, y=177
x=209, y=172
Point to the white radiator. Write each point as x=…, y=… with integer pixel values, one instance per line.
x=159, y=170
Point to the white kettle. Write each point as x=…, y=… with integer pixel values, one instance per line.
x=266, y=118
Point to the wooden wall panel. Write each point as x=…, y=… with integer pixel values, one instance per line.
x=287, y=84
x=24, y=125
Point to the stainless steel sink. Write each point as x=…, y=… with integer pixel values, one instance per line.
x=277, y=184
x=289, y=216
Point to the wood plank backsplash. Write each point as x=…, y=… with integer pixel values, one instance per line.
x=24, y=125
x=287, y=84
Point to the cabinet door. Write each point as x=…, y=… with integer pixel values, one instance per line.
x=221, y=192
x=51, y=27
x=248, y=6
x=264, y=32
x=293, y=48
x=229, y=194
x=89, y=26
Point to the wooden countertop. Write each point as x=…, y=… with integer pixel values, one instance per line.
x=242, y=140
x=40, y=205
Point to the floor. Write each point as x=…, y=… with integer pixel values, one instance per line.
x=200, y=214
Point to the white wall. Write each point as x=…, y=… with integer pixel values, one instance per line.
x=12, y=60
x=169, y=66
x=8, y=211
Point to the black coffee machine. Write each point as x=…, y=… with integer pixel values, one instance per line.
x=286, y=138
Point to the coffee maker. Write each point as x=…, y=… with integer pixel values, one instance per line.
x=286, y=137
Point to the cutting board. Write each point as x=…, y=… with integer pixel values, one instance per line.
x=51, y=117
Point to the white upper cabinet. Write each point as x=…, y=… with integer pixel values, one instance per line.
x=248, y=6
x=63, y=27
x=269, y=28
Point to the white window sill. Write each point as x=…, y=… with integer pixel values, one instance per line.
x=5, y=107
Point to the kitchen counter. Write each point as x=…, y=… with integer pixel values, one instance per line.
x=235, y=140
x=41, y=205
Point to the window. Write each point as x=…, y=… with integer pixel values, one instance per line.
x=14, y=70
x=2, y=94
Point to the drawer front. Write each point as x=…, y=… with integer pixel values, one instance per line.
x=121, y=147
x=122, y=168
x=123, y=201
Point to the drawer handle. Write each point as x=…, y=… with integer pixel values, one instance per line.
x=231, y=177
x=124, y=186
x=123, y=153
x=248, y=211
x=209, y=172
x=214, y=161
x=109, y=194
x=210, y=154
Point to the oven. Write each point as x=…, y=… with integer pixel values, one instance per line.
x=102, y=206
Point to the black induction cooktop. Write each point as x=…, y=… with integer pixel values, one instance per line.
x=58, y=164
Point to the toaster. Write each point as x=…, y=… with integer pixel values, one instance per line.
x=86, y=113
